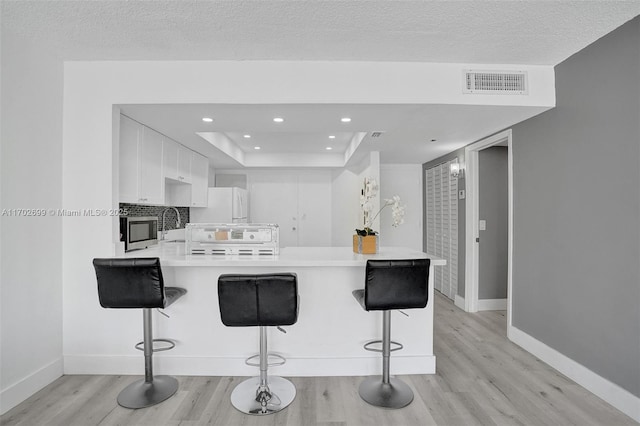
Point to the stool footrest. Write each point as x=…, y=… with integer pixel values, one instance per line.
x=367, y=346
x=277, y=360
x=170, y=345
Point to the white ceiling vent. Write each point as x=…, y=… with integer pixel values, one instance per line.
x=376, y=134
x=496, y=82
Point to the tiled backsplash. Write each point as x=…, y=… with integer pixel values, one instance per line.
x=138, y=210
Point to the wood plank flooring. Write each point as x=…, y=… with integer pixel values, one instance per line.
x=482, y=379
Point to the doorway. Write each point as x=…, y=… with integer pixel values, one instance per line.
x=473, y=224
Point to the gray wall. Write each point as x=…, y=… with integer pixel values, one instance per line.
x=459, y=154
x=493, y=207
x=576, y=269
x=576, y=283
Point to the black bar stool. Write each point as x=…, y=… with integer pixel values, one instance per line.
x=391, y=284
x=136, y=283
x=260, y=301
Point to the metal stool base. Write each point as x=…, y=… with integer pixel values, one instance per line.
x=243, y=397
x=395, y=394
x=141, y=394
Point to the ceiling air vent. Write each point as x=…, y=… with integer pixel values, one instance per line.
x=496, y=82
x=376, y=134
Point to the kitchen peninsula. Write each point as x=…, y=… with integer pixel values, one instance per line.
x=326, y=341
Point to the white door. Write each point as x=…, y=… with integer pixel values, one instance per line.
x=273, y=198
x=438, y=220
x=441, y=192
x=314, y=208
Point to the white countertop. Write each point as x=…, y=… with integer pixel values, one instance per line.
x=173, y=254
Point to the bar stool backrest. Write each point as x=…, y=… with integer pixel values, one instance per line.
x=130, y=283
x=396, y=284
x=258, y=300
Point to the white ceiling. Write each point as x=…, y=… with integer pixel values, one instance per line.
x=408, y=129
x=485, y=32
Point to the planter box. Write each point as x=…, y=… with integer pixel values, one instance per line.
x=365, y=245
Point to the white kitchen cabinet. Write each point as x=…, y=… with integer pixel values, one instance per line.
x=151, y=181
x=185, y=188
x=157, y=170
x=130, y=132
x=199, y=180
x=170, y=158
x=177, y=161
x=141, y=179
x=184, y=164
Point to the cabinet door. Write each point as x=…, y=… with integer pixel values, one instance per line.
x=184, y=164
x=129, y=136
x=151, y=188
x=199, y=180
x=170, y=158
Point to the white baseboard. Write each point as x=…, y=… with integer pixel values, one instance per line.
x=620, y=398
x=459, y=302
x=492, y=304
x=18, y=392
x=227, y=366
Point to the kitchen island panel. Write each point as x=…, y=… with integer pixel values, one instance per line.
x=326, y=341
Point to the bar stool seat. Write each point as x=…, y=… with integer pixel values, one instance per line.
x=172, y=294
x=391, y=285
x=137, y=283
x=260, y=300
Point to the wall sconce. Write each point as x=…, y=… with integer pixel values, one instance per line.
x=456, y=170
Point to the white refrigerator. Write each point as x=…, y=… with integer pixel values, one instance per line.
x=225, y=205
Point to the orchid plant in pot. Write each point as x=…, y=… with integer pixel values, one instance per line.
x=365, y=240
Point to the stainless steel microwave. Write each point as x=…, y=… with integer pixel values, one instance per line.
x=138, y=232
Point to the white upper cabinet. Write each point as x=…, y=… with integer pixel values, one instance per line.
x=170, y=159
x=199, y=180
x=140, y=156
x=177, y=161
x=157, y=170
x=130, y=132
x=151, y=181
x=184, y=164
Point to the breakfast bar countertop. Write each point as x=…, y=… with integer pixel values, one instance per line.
x=174, y=254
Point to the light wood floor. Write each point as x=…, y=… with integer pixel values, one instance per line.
x=481, y=378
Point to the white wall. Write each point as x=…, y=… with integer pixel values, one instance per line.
x=404, y=180
x=346, y=215
x=31, y=263
x=291, y=197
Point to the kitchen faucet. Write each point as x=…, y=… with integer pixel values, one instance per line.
x=164, y=228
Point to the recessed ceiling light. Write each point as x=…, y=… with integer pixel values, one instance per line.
x=207, y=119
x=247, y=136
x=328, y=148
x=256, y=148
x=332, y=137
x=345, y=119
x=278, y=119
